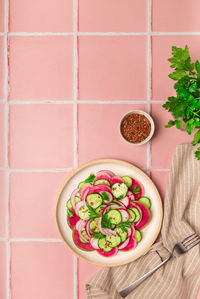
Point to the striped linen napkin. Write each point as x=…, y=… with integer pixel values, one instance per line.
x=180, y=277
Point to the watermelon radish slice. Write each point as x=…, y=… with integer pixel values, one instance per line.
x=110, y=173
x=125, y=201
x=145, y=216
x=116, y=179
x=125, y=214
x=135, y=185
x=110, y=196
x=79, y=244
x=103, y=176
x=108, y=254
x=131, y=245
x=73, y=220
x=131, y=196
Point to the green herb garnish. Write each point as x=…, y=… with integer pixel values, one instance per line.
x=69, y=213
x=136, y=190
x=185, y=106
x=105, y=223
x=124, y=225
x=97, y=235
x=90, y=179
x=92, y=213
x=105, y=196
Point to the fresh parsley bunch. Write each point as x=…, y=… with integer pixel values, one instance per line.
x=185, y=106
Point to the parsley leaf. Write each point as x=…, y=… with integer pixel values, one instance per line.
x=105, y=196
x=92, y=213
x=90, y=179
x=97, y=235
x=105, y=223
x=69, y=213
x=124, y=225
x=136, y=190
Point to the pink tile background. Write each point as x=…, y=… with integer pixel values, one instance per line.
x=75, y=68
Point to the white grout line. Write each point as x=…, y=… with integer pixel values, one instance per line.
x=44, y=240
x=75, y=127
x=3, y=239
x=149, y=60
x=6, y=130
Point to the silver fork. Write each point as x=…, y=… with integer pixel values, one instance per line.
x=180, y=248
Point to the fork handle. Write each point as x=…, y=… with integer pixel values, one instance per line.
x=126, y=291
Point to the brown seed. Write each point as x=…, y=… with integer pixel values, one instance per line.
x=135, y=127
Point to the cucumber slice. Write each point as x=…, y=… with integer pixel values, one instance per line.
x=83, y=213
x=102, y=181
x=102, y=243
x=81, y=184
x=128, y=181
x=132, y=215
x=77, y=199
x=100, y=209
x=119, y=190
x=138, y=236
x=122, y=233
x=85, y=235
x=137, y=213
x=145, y=201
x=94, y=200
x=113, y=241
x=115, y=216
x=69, y=205
x=94, y=226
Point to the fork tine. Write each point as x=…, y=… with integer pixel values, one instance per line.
x=193, y=244
x=189, y=237
x=190, y=241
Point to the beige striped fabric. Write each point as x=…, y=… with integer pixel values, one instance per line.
x=180, y=277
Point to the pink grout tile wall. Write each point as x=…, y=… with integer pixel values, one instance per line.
x=70, y=64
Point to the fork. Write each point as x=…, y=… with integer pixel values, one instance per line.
x=180, y=248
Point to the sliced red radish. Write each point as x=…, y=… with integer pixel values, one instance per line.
x=80, y=244
x=125, y=201
x=108, y=254
x=103, y=176
x=124, y=244
x=145, y=216
x=116, y=179
x=135, y=185
x=131, y=231
x=86, y=191
x=79, y=205
x=74, y=193
x=94, y=243
x=131, y=196
x=125, y=214
x=112, y=206
x=80, y=225
x=110, y=196
x=131, y=245
x=121, y=204
x=106, y=171
x=101, y=188
x=105, y=231
x=73, y=220
x=87, y=228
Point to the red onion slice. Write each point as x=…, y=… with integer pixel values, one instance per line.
x=79, y=205
x=133, y=205
x=87, y=227
x=80, y=226
x=105, y=231
x=74, y=193
x=112, y=206
x=124, y=244
x=125, y=201
x=125, y=214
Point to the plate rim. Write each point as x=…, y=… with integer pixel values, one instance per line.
x=98, y=161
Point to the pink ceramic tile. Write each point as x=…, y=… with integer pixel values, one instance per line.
x=3, y=291
x=28, y=203
x=86, y=272
x=113, y=16
x=99, y=135
x=1, y=15
x=165, y=139
x=41, y=16
x=112, y=67
x=160, y=179
x=41, y=136
x=2, y=205
x=41, y=270
x=41, y=68
x=1, y=66
x=176, y=16
x=162, y=85
x=2, y=134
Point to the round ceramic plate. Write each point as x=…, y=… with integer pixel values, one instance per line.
x=121, y=168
